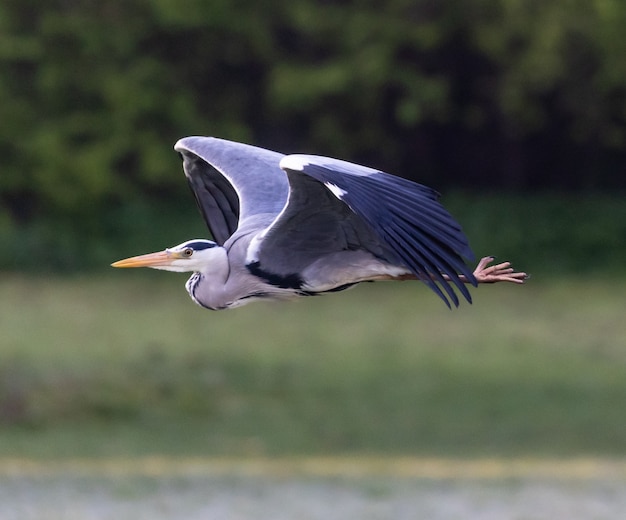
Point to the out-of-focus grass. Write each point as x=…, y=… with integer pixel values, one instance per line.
x=127, y=364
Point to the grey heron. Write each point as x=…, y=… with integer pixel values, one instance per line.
x=285, y=226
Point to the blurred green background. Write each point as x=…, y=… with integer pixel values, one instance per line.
x=514, y=110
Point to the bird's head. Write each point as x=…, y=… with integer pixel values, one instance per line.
x=193, y=255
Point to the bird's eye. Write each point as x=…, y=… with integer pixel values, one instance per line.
x=187, y=252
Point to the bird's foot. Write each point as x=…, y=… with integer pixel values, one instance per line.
x=503, y=272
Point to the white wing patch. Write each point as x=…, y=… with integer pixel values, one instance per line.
x=336, y=190
x=300, y=162
x=252, y=253
x=294, y=162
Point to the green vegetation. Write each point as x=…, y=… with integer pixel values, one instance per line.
x=471, y=94
x=518, y=105
x=127, y=364
x=548, y=234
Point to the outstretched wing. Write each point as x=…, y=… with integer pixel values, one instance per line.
x=313, y=225
x=233, y=183
x=318, y=207
x=410, y=226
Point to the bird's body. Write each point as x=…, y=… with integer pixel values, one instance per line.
x=299, y=225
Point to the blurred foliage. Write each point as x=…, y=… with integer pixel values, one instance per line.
x=504, y=94
x=382, y=368
x=547, y=234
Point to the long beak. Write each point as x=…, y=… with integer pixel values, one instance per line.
x=150, y=260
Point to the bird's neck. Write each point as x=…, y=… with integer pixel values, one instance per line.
x=223, y=283
x=207, y=286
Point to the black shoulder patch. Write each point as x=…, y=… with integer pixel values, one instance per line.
x=289, y=281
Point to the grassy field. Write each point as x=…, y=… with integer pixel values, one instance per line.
x=128, y=365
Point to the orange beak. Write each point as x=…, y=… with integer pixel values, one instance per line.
x=150, y=260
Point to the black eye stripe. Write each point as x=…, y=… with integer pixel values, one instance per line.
x=199, y=246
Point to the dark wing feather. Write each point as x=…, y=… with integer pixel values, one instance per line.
x=233, y=183
x=313, y=224
x=216, y=198
x=406, y=217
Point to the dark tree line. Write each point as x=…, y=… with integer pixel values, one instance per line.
x=497, y=94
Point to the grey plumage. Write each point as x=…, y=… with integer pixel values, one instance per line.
x=317, y=224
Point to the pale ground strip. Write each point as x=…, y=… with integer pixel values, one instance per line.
x=366, y=466
x=161, y=488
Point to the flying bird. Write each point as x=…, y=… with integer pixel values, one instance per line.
x=287, y=226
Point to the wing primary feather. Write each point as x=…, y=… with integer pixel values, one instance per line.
x=449, y=232
x=420, y=260
x=454, y=263
x=414, y=199
x=446, y=247
x=448, y=265
x=413, y=260
x=443, y=261
x=418, y=251
x=229, y=209
x=363, y=199
x=403, y=195
x=212, y=211
x=216, y=197
x=209, y=210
